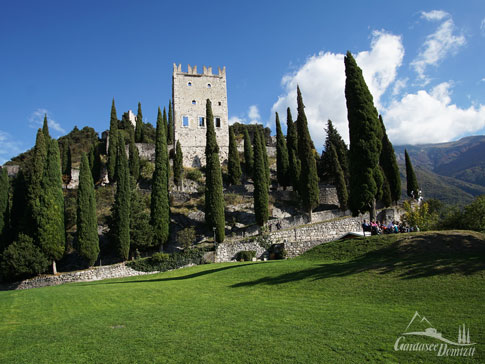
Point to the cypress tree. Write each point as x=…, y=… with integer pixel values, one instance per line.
x=248, y=154
x=87, y=225
x=51, y=234
x=134, y=157
x=334, y=138
x=19, y=213
x=265, y=158
x=385, y=195
x=339, y=178
x=170, y=134
x=90, y=157
x=233, y=166
x=141, y=234
x=96, y=170
x=309, y=190
x=260, y=182
x=120, y=212
x=4, y=205
x=68, y=164
x=45, y=128
x=389, y=165
x=412, y=181
x=365, y=141
x=292, y=146
x=214, y=200
x=160, y=209
x=165, y=122
x=178, y=167
x=282, y=159
x=139, y=125
x=113, y=144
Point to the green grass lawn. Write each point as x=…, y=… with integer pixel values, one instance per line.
x=342, y=302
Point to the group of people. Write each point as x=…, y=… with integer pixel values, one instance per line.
x=393, y=227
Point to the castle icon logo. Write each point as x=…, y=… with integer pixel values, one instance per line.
x=421, y=327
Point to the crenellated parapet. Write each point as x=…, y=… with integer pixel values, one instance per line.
x=192, y=70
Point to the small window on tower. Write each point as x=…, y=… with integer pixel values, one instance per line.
x=201, y=121
x=209, y=85
x=185, y=121
x=218, y=122
x=220, y=103
x=194, y=102
x=189, y=83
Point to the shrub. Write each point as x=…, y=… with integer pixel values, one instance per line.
x=245, y=255
x=186, y=237
x=146, y=169
x=163, y=262
x=22, y=259
x=193, y=174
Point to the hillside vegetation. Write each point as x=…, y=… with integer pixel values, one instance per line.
x=345, y=301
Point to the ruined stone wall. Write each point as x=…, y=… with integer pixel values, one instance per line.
x=296, y=240
x=190, y=90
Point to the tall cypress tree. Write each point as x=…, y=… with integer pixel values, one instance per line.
x=4, y=206
x=160, y=209
x=87, y=225
x=248, y=154
x=339, y=177
x=134, y=157
x=113, y=144
x=21, y=222
x=214, y=199
x=139, y=125
x=51, y=234
x=292, y=145
x=365, y=141
x=165, y=122
x=334, y=138
x=389, y=165
x=260, y=182
x=45, y=128
x=282, y=159
x=265, y=158
x=412, y=181
x=120, y=212
x=170, y=134
x=178, y=167
x=233, y=166
x=309, y=190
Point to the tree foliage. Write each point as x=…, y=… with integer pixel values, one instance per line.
x=248, y=154
x=160, y=209
x=233, y=166
x=389, y=165
x=113, y=144
x=309, y=190
x=170, y=130
x=4, y=206
x=178, y=168
x=87, y=225
x=339, y=177
x=134, y=157
x=412, y=181
x=282, y=158
x=365, y=141
x=292, y=145
x=141, y=234
x=139, y=125
x=260, y=182
x=214, y=199
x=45, y=128
x=334, y=138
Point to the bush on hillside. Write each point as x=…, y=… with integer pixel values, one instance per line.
x=193, y=174
x=245, y=255
x=162, y=262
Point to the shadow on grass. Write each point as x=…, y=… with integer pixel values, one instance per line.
x=407, y=259
x=178, y=278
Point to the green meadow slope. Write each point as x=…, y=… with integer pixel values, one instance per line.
x=342, y=302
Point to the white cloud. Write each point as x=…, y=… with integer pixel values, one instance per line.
x=430, y=117
x=36, y=120
x=438, y=45
x=8, y=147
x=251, y=117
x=424, y=116
x=253, y=114
x=434, y=15
x=482, y=27
x=322, y=82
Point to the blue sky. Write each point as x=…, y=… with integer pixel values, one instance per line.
x=423, y=62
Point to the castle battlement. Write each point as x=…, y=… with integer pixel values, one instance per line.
x=192, y=71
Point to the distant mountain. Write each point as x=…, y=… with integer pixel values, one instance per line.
x=453, y=172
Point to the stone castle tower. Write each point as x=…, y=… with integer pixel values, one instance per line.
x=190, y=91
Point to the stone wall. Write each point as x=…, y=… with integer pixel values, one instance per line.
x=92, y=274
x=74, y=182
x=146, y=151
x=296, y=240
